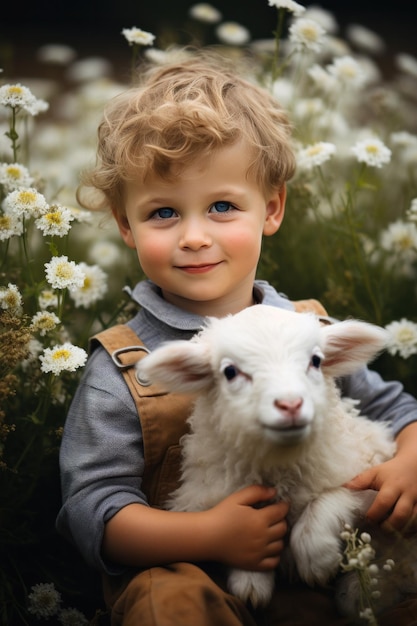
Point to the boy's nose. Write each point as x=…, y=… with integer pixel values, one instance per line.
x=194, y=236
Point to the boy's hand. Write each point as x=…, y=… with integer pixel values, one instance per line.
x=395, y=505
x=245, y=536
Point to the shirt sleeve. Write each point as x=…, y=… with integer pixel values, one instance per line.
x=380, y=400
x=101, y=458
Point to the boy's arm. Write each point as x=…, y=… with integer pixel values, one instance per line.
x=395, y=505
x=232, y=532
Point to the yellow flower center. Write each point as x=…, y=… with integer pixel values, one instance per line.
x=4, y=222
x=63, y=270
x=11, y=300
x=61, y=355
x=27, y=197
x=46, y=323
x=310, y=33
x=313, y=150
x=406, y=335
x=372, y=148
x=54, y=217
x=405, y=242
x=13, y=172
x=87, y=283
x=15, y=90
x=349, y=71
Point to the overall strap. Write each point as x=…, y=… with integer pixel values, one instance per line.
x=311, y=306
x=163, y=416
x=125, y=349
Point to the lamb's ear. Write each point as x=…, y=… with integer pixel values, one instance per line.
x=182, y=366
x=351, y=344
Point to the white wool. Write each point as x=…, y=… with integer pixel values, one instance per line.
x=280, y=421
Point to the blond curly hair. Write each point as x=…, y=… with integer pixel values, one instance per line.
x=182, y=111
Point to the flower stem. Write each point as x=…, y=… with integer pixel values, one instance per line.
x=358, y=250
x=276, y=69
x=12, y=134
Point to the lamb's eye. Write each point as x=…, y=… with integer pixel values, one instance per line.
x=316, y=361
x=230, y=372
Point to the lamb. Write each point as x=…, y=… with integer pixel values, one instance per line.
x=268, y=411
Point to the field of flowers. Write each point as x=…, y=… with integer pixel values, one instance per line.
x=349, y=239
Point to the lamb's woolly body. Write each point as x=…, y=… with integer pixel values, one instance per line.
x=345, y=445
x=268, y=412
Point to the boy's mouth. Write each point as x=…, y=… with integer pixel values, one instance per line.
x=198, y=269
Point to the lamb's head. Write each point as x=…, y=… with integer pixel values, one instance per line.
x=264, y=371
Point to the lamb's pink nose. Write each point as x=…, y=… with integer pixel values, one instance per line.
x=290, y=407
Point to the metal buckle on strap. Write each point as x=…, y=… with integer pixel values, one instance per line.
x=115, y=355
x=123, y=367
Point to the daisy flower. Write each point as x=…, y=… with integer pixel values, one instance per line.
x=82, y=216
x=14, y=176
x=89, y=69
x=316, y=154
x=60, y=358
x=371, y=151
x=407, y=64
x=38, y=106
x=43, y=322
x=10, y=298
x=25, y=203
x=62, y=274
x=10, y=225
x=309, y=107
x=233, y=34
x=323, y=17
x=20, y=97
x=402, y=338
x=59, y=54
x=324, y=80
x=72, y=617
x=306, y=34
x=55, y=221
x=347, y=71
x=283, y=91
x=400, y=238
x=93, y=288
x=289, y=5
x=403, y=139
x=34, y=348
x=104, y=253
x=205, y=12
x=138, y=37
x=44, y=600
x=365, y=39
x=47, y=298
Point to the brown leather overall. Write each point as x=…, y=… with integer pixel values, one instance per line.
x=183, y=594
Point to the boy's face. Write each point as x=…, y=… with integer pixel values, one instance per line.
x=199, y=237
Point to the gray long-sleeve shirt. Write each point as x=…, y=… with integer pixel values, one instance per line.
x=101, y=454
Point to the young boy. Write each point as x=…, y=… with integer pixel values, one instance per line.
x=193, y=166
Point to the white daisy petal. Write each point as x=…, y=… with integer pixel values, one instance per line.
x=62, y=358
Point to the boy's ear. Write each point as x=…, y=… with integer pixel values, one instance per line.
x=124, y=228
x=275, y=210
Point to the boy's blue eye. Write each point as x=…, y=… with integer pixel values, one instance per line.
x=164, y=213
x=221, y=207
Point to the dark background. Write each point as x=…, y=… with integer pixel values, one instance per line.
x=93, y=27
